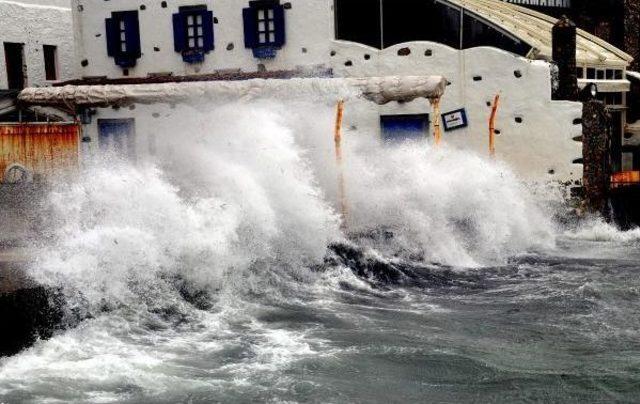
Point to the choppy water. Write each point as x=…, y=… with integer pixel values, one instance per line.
x=220, y=274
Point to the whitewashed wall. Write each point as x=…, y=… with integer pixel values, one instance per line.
x=36, y=23
x=541, y=147
x=309, y=25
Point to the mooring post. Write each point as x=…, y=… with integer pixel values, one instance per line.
x=564, y=55
x=492, y=126
x=337, y=137
x=595, y=156
x=632, y=32
x=437, y=132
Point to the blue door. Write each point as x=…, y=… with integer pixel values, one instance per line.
x=398, y=128
x=117, y=136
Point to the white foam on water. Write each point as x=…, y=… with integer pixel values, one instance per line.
x=600, y=231
x=240, y=201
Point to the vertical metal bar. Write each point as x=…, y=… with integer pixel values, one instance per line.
x=381, y=24
x=437, y=132
x=337, y=137
x=461, y=26
x=492, y=126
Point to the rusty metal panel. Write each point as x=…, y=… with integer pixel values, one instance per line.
x=44, y=149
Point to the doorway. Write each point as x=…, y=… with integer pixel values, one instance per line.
x=399, y=128
x=117, y=137
x=16, y=69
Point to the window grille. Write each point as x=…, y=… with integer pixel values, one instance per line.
x=123, y=38
x=193, y=33
x=264, y=27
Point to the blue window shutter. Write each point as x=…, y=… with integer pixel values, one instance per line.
x=179, y=31
x=112, y=39
x=132, y=33
x=278, y=15
x=207, y=30
x=250, y=17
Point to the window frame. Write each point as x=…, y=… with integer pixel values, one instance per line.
x=193, y=32
x=124, y=37
x=196, y=14
x=266, y=16
x=264, y=27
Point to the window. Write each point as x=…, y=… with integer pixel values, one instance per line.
x=478, y=33
x=398, y=128
x=264, y=27
x=50, y=62
x=123, y=38
x=591, y=73
x=384, y=23
x=14, y=59
x=193, y=33
x=419, y=20
x=359, y=21
x=609, y=74
x=580, y=72
x=610, y=99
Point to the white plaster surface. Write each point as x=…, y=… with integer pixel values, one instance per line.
x=36, y=23
x=541, y=147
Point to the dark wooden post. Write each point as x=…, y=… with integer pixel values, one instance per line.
x=595, y=156
x=632, y=31
x=564, y=56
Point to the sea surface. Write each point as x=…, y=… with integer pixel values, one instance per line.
x=227, y=271
x=552, y=326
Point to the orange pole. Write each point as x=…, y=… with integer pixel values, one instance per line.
x=492, y=126
x=437, y=132
x=337, y=137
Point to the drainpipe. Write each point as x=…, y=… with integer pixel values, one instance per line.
x=564, y=56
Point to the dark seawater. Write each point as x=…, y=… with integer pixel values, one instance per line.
x=552, y=326
x=219, y=273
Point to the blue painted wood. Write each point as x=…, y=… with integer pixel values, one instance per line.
x=179, y=33
x=207, y=30
x=404, y=127
x=117, y=136
x=132, y=34
x=280, y=27
x=250, y=19
x=112, y=36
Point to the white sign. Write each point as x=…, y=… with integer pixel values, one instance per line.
x=455, y=119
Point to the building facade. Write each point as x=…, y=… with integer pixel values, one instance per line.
x=482, y=47
x=37, y=43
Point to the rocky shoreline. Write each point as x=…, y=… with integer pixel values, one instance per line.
x=28, y=311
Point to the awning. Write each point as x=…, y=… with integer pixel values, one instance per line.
x=380, y=90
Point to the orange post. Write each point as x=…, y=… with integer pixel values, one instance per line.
x=492, y=126
x=437, y=132
x=337, y=137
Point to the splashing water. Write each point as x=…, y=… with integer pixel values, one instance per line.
x=203, y=275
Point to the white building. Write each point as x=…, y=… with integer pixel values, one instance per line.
x=37, y=43
x=483, y=48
